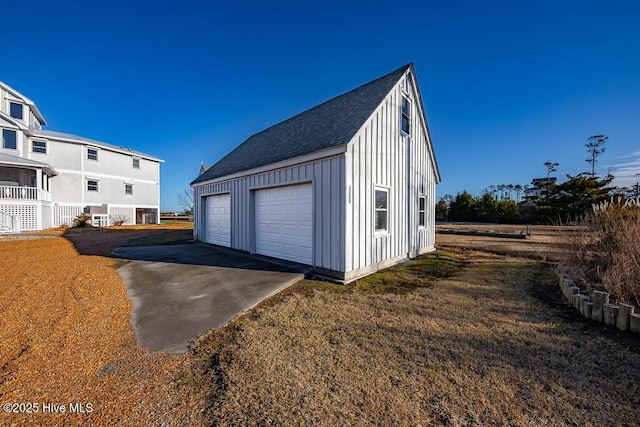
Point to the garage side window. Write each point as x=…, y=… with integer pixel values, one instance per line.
x=381, y=219
x=422, y=210
x=406, y=115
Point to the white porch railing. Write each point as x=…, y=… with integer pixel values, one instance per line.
x=9, y=223
x=23, y=193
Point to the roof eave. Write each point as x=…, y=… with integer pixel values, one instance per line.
x=99, y=144
x=426, y=124
x=28, y=101
x=305, y=158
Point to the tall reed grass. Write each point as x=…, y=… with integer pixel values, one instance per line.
x=605, y=254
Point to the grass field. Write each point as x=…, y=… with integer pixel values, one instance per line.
x=460, y=340
x=457, y=337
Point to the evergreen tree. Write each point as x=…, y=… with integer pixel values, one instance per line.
x=462, y=208
x=573, y=198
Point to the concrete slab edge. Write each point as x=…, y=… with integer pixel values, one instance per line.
x=276, y=291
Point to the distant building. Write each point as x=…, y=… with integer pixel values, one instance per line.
x=536, y=187
x=48, y=178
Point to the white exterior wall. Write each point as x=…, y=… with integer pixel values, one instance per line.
x=69, y=195
x=380, y=155
x=112, y=170
x=346, y=245
x=327, y=178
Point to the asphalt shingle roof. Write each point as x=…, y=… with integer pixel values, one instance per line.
x=327, y=125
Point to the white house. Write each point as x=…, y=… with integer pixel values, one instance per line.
x=347, y=187
x=47, y=178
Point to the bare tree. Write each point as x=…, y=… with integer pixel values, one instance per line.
x=186, y=200
x=551, y=167
x=518, y=190
x=510, y=188
x=595, y=147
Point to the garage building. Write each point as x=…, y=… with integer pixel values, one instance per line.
x=347, y=187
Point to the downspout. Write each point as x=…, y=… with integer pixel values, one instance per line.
x=409, y=222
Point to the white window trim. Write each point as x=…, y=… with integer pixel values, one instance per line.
x=97, y=190
x=10, y=101
x=381, y=232
x=422, y=196
x=46, y=146
x=125, y=189
x=139, y=163
x=402, y=115
x=2, y=138
x=97, y=150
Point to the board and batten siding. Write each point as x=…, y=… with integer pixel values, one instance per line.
x=327, y=176
x=380, y=155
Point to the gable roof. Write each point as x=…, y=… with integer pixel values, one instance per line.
x=26, y=100
x=62, y=136
x=327, y=125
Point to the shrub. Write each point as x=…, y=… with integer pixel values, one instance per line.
x=607, y=249
x=81, y=220
x=119, y=219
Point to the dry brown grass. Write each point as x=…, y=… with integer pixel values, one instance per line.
x=456, y=338
x=473, y=349
x=545, y=242
x=66, y=338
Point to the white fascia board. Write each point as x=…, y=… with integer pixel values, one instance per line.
x=316, y=155
x=123, y=178
x=24, y=99
x=425, y=125
x=16, y=122
x=102, y=146
x=44, y=166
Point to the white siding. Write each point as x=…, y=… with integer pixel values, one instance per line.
x=380, y=155
x=344, y=242
x=327, y=178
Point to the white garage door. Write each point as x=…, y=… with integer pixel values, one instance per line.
x=284, y=223
x=218, y=227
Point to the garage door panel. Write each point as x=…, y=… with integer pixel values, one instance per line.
x=284, y=223
x=218, y=217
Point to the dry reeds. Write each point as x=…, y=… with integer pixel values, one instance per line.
x=606, y=254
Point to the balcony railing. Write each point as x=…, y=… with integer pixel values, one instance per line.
x=11, y=192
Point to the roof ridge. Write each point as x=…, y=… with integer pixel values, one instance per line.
x=331, y=123
x=336, y=97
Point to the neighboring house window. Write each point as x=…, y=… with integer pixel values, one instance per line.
x=92, y=154
x=9, y=139
x=406, y=115
x=15, y=110
x=128, y=189
x=39, y=147
x=422, y=210
x=381, y=218
x=92, y=185
x=136, y=163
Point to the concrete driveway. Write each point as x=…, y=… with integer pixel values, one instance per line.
x=181, y=291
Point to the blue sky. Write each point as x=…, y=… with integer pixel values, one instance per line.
x=507, y=85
